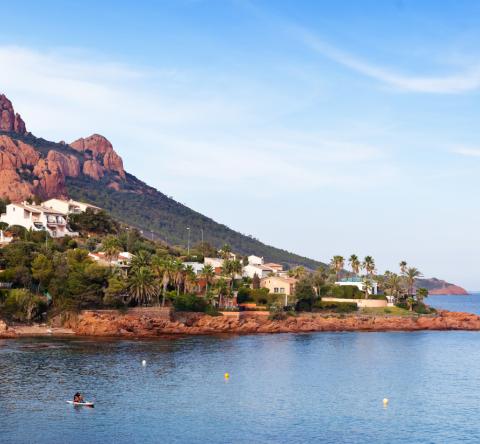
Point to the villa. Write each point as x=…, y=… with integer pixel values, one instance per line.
x=277, y=268
x=260, y=270
x=197, y=266
x=69, y=206
x=255, y=260
x=37, y=218
x=122, y=260
x=359, y=283
x=279, y=285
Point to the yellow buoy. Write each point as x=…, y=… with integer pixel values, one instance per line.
x=385, y=401
x=226, y=375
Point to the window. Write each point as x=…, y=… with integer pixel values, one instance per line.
x=282, y=290
x=275, y=290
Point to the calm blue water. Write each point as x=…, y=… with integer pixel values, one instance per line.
x=469, y=303
x=322, y=387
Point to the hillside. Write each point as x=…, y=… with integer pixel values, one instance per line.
x=89, y=169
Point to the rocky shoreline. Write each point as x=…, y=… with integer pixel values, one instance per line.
x=110, y=323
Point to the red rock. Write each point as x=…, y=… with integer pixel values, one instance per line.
x=93, y=169
x=9, y=121
x=101, y=151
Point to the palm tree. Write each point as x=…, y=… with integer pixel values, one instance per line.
x=190, y=279
x=337, y=264
x=231, y=268
x=162, y=268
x=369, y=265
x=141, y=285
x=367, y=286
x=208, y=273
x=225, y=251
x=421, y=294
x=393, y=283
x=111, y=246
x=411, y=274
x=410, y=302
x=297, y=272
x=141, y=259
x=178, y=274
x=354, y=263
x=403, y=267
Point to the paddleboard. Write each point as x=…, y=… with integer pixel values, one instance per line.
x=81, y=404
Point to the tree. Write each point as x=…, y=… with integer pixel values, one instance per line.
x=163, y=269
x=393, y=283
x=410, y=302
x=255, y=282
x=304, y=294
x=116, y=288
x=141, y=259
x=111, y=246
x=225, y=251
x=421, y=294
x=231, y=268
x=141, y=285
x=354, y=263
x=93, y=221
x=178, y=274
x=369, y=265
x=208, y=274
x=337, y=263
x=297, y=272
x=190, y=279
x=367, y=286
x=42, y=270
x=319, y=278
x=411, y=274
x=403, y=267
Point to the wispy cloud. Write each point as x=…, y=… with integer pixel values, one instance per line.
x=467, y=80
x=466, y=151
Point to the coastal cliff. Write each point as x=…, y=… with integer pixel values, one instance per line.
x=113, y=323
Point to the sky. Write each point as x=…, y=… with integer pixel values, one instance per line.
x=322, y=127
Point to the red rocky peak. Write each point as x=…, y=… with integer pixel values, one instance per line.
x=9, y=121
x=101, y=156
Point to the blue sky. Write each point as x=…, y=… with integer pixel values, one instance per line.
x=323, y=127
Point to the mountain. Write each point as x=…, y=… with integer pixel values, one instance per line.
x=438, y=286
x=89, y=169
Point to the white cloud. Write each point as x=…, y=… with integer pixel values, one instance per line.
x=465, y=151
x=468, y=80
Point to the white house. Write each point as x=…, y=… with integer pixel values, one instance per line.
x=260, y=270
x=197, y=266
x=255, y=260
x=122, y=260
x=37, y=218
x=358, y=282
x=214, y=262
x=69, y=206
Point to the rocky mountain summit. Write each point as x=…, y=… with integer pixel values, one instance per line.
x=26, y=170
x=9, y=120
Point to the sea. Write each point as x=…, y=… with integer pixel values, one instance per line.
x=282, y=388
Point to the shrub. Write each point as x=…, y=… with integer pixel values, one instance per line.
x=244, y=295
x=190, y=302
x=22, y=305
x=337, y=307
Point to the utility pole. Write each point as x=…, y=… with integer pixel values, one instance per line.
x=188, y=241
x=202, y=238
